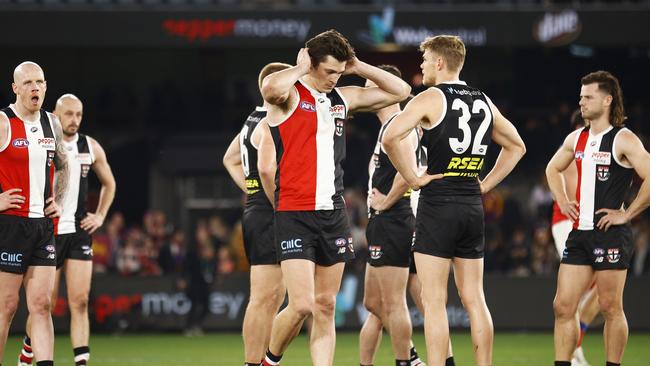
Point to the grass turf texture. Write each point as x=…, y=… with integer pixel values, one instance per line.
x=530, y=349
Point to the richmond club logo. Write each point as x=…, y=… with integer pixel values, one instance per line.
x=613, y=255
x=602, y=172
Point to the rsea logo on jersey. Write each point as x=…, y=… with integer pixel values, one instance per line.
x=20, y=143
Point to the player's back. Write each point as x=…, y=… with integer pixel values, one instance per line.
x=457, y=143
x=255, y=197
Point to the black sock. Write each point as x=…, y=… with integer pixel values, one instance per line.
x=273, y=358
x=252, y=364
x=81, y=355
x=612, y=364
x=414, y=353
x=402, y=362
x=450, y=361
x=45, y=363
x=27, y=341
x=562, y=363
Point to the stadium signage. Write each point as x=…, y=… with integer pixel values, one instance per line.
x=384, y=34
x=557, y=29
x=205, y=29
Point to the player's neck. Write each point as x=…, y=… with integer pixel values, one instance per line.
x=386, y=113
x=309, y=80
x=26, y=115
x=599, y=125
x=69, y=138
x=447, y=77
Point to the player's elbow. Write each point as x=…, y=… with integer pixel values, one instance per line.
x=406, y=91
x=266, y=171
x=272, y=94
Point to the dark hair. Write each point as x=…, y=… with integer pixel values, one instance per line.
x=609, y=84
x=269, y=69
x=329, y=43
x=577, y=120
x=392, y=69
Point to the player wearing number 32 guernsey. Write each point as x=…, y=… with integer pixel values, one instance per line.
x=458, y=123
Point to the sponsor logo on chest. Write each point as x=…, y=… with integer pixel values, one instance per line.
x=337, y=111
x=47, y=143
x=601, y=157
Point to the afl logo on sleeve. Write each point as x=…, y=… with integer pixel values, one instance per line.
x=308, y=107
x=20, y=143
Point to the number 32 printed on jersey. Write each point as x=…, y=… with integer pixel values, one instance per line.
x=460, y=146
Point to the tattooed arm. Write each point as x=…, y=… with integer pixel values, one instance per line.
x=60, y=163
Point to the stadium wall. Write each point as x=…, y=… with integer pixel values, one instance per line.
x=153, y=304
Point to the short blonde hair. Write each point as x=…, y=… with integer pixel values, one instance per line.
x=270, y=69
x=451, y=48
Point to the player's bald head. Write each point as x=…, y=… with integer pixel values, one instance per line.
x=24, y=68
x=67, y=98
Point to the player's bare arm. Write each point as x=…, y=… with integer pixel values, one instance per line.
x=560, y=162
x=425, y=107
x=52, y=204
x=381, y=202
x=278, y=87
x=233, y=164
x=102, y=169
x=266, y=164
x=513, y=149
x=389, y=88
x=631, y=151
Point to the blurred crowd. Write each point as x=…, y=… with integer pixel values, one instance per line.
x=518, y=240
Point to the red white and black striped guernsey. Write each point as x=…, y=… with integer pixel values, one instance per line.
x=27, y=162
x=310, y=147
x=80, y=158
x=603, y=180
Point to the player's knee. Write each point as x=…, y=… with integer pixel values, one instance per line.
x=303, y=306
x=610, y=307
x=39, y=305
x=325, y=304
x=10, y=306
x=472, y=300
x=563, y=308
x=79, y=304
x=372, y=304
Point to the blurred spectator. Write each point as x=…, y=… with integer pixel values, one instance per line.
x=496, y=255
x=543, y=253
x=200, y=270
x=218, y=231
x=640, y=263
x=237, y=248
x=107, y=243
x=227, y=261
x=149, y=258
x=519, y=254
x=128, y=257
x=172, y=254
x=540, y=203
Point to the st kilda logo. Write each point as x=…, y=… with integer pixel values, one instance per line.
x=339, y=127
x=602, y=172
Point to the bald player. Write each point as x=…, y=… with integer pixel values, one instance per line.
x=73, y=233
x=31, y=148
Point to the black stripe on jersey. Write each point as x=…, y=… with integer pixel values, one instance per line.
x=612, y=181
x=336, y=101
x=279, y=152
x=9, y=112
x=47, y=133
x=83, y=147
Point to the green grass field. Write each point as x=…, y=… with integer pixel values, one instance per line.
x=510, y=349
